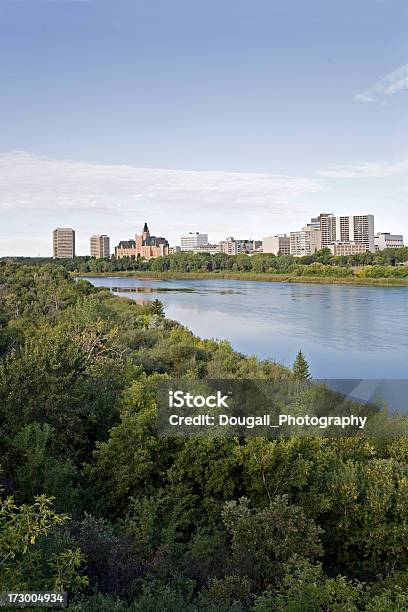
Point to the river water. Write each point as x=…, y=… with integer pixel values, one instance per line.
x=344, y=331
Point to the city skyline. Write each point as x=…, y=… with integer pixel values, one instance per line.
x=247, y=115
x=343, y=235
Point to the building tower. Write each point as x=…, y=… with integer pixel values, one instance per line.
x=63, y=242
x=145, y=233
x=100, y=246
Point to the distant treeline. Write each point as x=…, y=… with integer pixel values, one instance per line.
x=322, y=263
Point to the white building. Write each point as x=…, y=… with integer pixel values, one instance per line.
x=193, y=240
x=385, y=240
x=306, y=241
x=100, y=246
x=277, y=245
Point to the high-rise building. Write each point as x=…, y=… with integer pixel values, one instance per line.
x=327, y=226
x=351, y=228
x=356, y=228
x=385, y=240
x=278, y=245
x=193, y=241
x=100, y=247
x=63, y=239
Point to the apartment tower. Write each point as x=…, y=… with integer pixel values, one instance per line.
x=351, y=228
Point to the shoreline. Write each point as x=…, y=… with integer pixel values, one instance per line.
x=251, y=276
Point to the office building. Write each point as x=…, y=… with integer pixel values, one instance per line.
x=63, y=243
x=193, y=241
x=100, y=247
x=385, y=240
x=277, y=245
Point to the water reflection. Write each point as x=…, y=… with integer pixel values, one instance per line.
x=345, y=331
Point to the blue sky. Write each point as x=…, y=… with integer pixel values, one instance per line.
x=231, y=117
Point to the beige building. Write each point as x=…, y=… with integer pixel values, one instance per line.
x=233, y=246
x=144, y=245
x=277, y=245
x=327, y=225
x=63, y=239
x=347, y=248
x=100, y=247
x=125, y=248
x=350, y=228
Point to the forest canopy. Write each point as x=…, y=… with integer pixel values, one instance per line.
x=93, y=502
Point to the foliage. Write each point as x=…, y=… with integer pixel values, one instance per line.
x=178, y=523
x=21, y=527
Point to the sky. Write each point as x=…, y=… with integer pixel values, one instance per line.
x=229, y=117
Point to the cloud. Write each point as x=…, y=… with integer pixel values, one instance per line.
x=123, y=195
x=366, y=170
x=392, y=83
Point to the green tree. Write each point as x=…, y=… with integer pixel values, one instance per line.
x=301, y=367
x=262, y=541
x=157, y=308
x=305, y=588
x=22, y=560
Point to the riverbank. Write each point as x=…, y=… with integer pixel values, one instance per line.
x=253, y=276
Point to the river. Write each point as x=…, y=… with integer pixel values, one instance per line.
x=344, y=331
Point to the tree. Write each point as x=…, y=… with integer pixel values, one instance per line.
x=23, y=563
x=301, y=367
x=262, y=541
x=305, y=588
x=157, y=308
